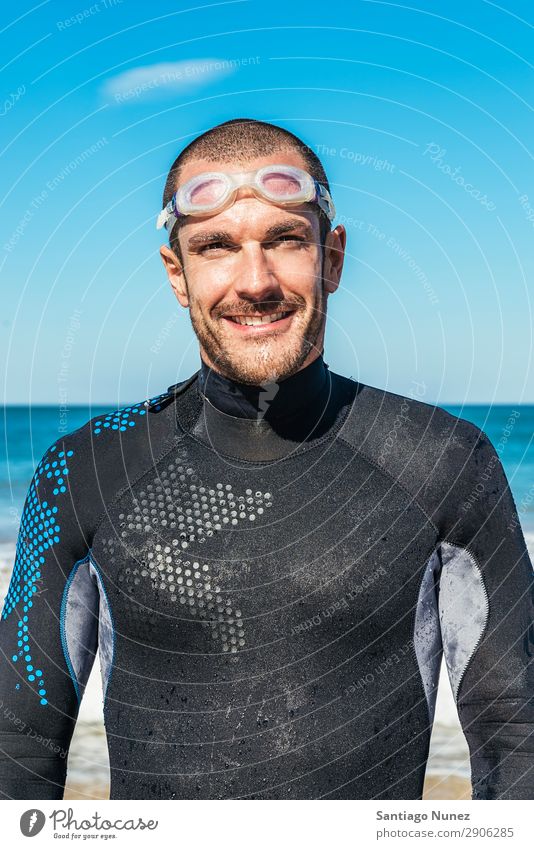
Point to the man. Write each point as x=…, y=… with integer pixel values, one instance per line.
x=272, y=558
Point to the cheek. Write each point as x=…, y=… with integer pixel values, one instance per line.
x=208, y=277
x=207, y=287
x=298, y=269
x=301, y=273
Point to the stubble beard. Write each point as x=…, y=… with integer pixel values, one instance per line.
x=258, y=361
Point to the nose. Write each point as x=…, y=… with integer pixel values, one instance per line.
x=255, y=279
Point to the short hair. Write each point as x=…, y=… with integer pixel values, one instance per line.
x=243, y=139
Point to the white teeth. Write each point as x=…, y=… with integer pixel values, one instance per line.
x=253, y=320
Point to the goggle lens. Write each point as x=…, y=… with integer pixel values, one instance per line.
x=207, y=193
x=281, y=185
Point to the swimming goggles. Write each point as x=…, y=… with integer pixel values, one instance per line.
x=213, y=191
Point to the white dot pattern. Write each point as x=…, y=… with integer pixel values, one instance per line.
x=178, y=502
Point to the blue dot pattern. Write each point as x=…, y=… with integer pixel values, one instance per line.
x=125, y=417
x=39, y=532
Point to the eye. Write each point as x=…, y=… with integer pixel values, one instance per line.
x=291, y=239
x=212, y=246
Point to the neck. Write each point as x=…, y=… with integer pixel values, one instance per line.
x=304, y=410
x=271, y=401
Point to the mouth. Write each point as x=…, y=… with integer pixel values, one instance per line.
x=260, y=323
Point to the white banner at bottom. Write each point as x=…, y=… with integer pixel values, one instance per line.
x=269, y=824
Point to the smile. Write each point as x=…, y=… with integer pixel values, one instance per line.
x=258, y=319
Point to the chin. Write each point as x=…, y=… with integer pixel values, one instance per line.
x=266, y=364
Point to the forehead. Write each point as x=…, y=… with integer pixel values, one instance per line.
x=285, y=156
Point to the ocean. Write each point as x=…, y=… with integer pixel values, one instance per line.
x=26, y=433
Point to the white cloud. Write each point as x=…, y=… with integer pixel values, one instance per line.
x=165, y=79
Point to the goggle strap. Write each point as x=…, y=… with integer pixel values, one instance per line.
x=166, y=214
x=325, y=201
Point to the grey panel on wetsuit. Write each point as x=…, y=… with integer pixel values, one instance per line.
x=463, y=609
x=105, y=632
x=427, y=633
x=80, y=624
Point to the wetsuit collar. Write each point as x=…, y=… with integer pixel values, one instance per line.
x=303, y=412
x=272, y=400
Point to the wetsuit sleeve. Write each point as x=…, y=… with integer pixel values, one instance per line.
x=486, y=604
x=48, y=630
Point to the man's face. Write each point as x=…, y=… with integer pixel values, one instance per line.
x=255, y=260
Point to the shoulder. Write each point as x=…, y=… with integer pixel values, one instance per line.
x=428, y=450
x=155, y=413
x=109, y=429
x=93, y=462
x=386, y=423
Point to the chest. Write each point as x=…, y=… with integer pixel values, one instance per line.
x=238, y=553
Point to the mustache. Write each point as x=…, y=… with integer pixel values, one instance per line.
x=263, y=308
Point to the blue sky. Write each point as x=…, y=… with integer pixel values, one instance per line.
x=423, y=122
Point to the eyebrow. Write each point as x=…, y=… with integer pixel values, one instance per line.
x=289, y=224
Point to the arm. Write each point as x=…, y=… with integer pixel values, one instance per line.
x=48, y=631
x=486, y=606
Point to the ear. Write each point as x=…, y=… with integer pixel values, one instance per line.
x=334, y=254
x=175, y=273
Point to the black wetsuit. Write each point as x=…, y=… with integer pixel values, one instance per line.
x=271, y=583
